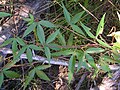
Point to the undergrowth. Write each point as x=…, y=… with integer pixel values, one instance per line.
x=69, y=35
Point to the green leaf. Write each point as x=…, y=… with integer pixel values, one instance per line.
x=70, y=77
x=66, y=14
x=27, y=19
x=70, y=40
x=54, y=46
x=84, y=63
x=32, y=73
x=31, y=17
x=8, y=41
x=71, y=65
x=40, y=34
x=47, y=53
x=87, y=30
x=1, y=79
x=61, y=39
x=65, y=53
x=81, y=57
x=103, y=43
x=29, y=55
x=4, y=14
x=100, y=26
x=77, y=17
x=14, y=47
x=21, y=51
x=34, y=47
x=29, y=78
x=77, y=29
x=46, y=23
x=20, y=41
x=42, y=75
x=9, y=65
x=11, y=74
x=29, y=29
x=108, y=59
x=71, y=68
x=52, y=37
x=42, y=67
x=27, y=82
x=91, y=61
x=104, y=66
x=94, y=50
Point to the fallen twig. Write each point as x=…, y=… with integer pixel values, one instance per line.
x=80, y=81
x=88, y=12
x=6, y=51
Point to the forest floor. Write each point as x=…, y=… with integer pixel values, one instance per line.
x=58, y=74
